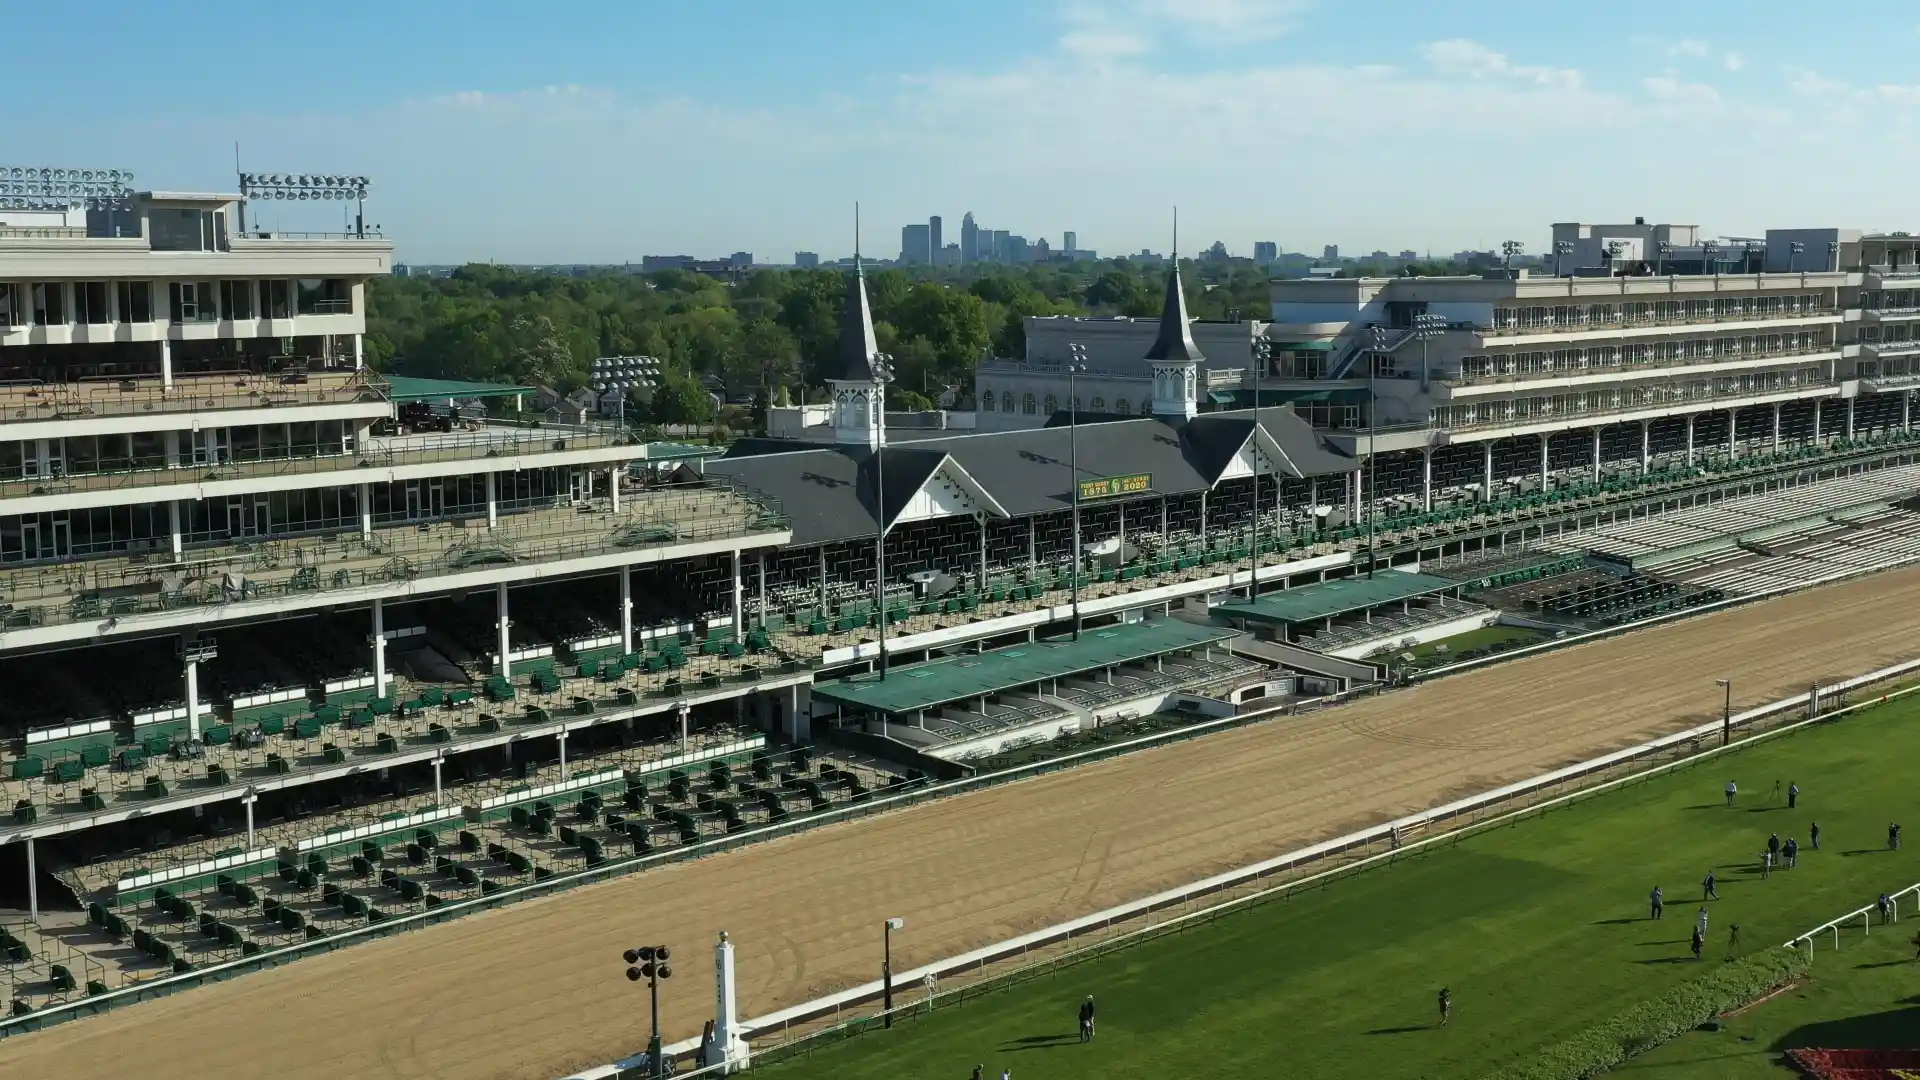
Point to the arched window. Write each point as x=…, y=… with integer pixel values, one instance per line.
x=1121, y=408
x=1099, y=404
x=986, y=401
x=1006, y=402
x=1053, y=404
x=1026, y=405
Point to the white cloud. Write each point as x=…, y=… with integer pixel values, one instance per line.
x=1688, y=47
x=1103, y=30
x=1900, y=95
x=1461, y=56
x=1669, y=88
x=1733, y=61
x=1813, y=84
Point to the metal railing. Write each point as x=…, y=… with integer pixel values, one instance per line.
x=1865, y=915
x=35, y=401
x=1667, y=400
x=1626, y=323
x=1689, y=364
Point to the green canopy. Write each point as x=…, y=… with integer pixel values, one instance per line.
x=408, y=388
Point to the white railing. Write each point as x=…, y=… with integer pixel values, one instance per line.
x=560, y=787
x=378, y=828
x=207, y=866
x=70, y=731
x=1865, y=915
x=270, y=697
x=352, y=682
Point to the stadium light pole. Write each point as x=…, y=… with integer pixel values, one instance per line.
x=1726, y=712
x=882, y=365
x=1665, y=248
x=1075, y=367
x=1373, y=421
x=886, y=968
x=1262, y=349
x=1710, y=254
x=1795, y=249
x=649, y=962
x=1561, y=249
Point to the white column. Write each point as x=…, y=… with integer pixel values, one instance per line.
x=359, y=353
x=684, y=710
x=193, y=697
x=1689, y=439
x=247, y=801
x=1646, y=447
x=613, y=487
x=1487, y=461
x=739, y=604
x=33, y=885
x=1850, y=418
x=1353, y=496
x=1544, y=439
x=801, y=722
x=1776, y=427
x=366, y=511
x=1596, y=455
x=561, y=738
x=493, y=500
x=727, y=1047
x=1816, y=421
x=379, y=649
x=626, y=609
x=506, y=644
x=1733, y=433
x=983, y=566
x=170, y=446
x=173, y=526
x=438, y=760
x=1906, y=410
x=166, y=364
x=1426, y=478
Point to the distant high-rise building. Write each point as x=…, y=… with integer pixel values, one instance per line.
x=806, y=260
x=1410, y=255
x=915, y=246
x=741, y=259
x=1015, y=249
x=1330, y=252
x=934, y=243
x=969, y=239
x=1072, y=241
x=1218, y=252
x=1042, y=251
x=1266, y=251
x=947, y=256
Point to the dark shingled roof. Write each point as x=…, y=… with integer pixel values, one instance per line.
x=1175, y=340
x=858, y=346
x=828, y=491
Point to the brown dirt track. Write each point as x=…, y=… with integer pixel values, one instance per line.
x=532, y=989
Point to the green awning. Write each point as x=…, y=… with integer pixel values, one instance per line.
x=409, y=388
x=1341, y=596
x=1303, y=346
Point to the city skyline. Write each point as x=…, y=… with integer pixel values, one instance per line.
x=600, y=134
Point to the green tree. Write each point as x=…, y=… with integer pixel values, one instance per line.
x=680, y=399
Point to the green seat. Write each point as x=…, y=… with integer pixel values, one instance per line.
x=327, y=714
x=96, y=755
x=307, y=727
x=67, y=770
x=433, y=695
x=273, y=725
x=216, y=734
x=25, y=768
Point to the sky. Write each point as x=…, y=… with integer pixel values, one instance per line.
x=584, y=131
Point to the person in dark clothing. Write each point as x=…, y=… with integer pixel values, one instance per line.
x=1710, y=892
x=977, y=1071
x=1893, y=837
x=1773, y=844
x=1813, y=834
x=1793, y=795
x=1086, y=1020
x=1446, y=1005
x=1792, y=851
x=1733, y=937
x=1699, y=942
x=1656, y=903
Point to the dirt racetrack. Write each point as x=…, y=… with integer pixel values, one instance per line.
x=529, y=990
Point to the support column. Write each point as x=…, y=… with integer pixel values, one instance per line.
x=1850, y=402
x=685, y=710
x=1544, y=440
x=1690, y=440
x=1776, y=427
x=379, y=648
x=1426, y=479
x=1163, y=520
x=1353, y=496
x=173, y=526
x=561, y=738
x=823, y=577
x=1733, y=433
x=247, y=801
x=166, y=364
x=1033, y=560
x=1487, y=462
x=193, y=695
x=1203, y=519
x=1906, y=410
x=613, y=487
x=493, y=500
x=170, y=446
x=365, y=500
x=1646, y=447
x=359, y=353
x=33, y=885
x=626, y=610
x=438, y=760
x=504, y=623
x=739, y=602
x=1817, y=410
x=1596, y=455
x=983, y=565
x=800, y=722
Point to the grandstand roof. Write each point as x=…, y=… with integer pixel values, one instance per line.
x=408, y=388
x=1326, y=599
x=956, y=678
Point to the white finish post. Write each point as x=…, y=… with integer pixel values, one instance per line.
x=739, y=603
x=1689, y=439
x=173, y=526
x=1426, y=478
x=493, y=500
x=1646, y=447
x=506, y=644
x=1596, y=455
x=1776, y=427
x=626, y=609
x=366, y=511
x=166, y=365
x=561, y=738
x=379, y=648
x=193, y=697
x=727, y=1048
x=685, y=709
x=248, y=800
x=33, y=885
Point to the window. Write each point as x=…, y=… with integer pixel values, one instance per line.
x=276, y=299
x=90, y=302
x=325, y=296
x=1053, y=404
x=191, y=301
x=136, y=301
x=13, y=304
x=48, y=309
x=1121, y=407
x=1099, y=404
x=171, y=229
x=1026, y=405
x=236, y=300
x=986, y=401
x=1006, y=402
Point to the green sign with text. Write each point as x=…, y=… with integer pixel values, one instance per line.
x=1107, y=487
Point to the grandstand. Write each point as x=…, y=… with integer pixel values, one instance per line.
x=1352, y=617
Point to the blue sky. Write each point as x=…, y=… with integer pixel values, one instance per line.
x=592, y=131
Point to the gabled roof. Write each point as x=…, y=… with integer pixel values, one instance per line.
x=1175, y=340
x=832, y=489
x=858, y=346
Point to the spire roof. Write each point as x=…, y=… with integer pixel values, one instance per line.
x=858, y=346
x=1175, y=340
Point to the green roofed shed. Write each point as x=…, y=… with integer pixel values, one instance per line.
x=1327, y=599
x=914, y=687
x=407, y=388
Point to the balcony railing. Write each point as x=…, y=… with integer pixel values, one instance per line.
x=1883, y=270
x=369, y=234
x=118, y=586
x=326, y=307
x=1669, y=399
x=1625, y=323
x=43, y=232
x=1891, y=348
x=306, y=459
x=1682, y=364
x=38, y=401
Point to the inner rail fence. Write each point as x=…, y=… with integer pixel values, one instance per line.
x=1865, y=915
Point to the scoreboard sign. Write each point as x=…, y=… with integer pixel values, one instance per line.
x=1107, y=487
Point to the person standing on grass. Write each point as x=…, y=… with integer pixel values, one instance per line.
x=1885, y=904
x=1732, y=790
x=1893, y=837
x=1773, y=844
x=1656, y=903
x=1916, y=948
x=1766, y=864
x=1699, y=940
x=1733, y=937
x=1700, y=923
x=1446, y=1003
x=1708, y=892
x=1792, y=852
x=978, y=1071
x=1086, y=1020
x=1813, y=834
x=1793, y=795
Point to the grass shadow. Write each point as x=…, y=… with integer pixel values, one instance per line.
x=1401, y=1030
x=1039, y=1042
x=1666, y=960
